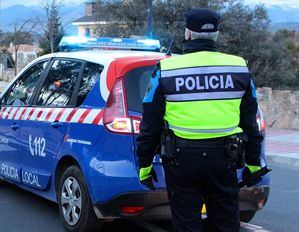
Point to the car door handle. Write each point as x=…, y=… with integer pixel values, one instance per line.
x=15, y=126
x=56, y=124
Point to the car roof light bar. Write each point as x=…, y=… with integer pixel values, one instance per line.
x=69, y=43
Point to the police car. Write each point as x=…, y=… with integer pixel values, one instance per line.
x=68, y=125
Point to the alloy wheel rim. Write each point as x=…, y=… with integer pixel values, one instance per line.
x=71, y=201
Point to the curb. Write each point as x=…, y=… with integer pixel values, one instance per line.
x=290, y=159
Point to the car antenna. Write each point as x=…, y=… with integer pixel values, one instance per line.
x=168, y=53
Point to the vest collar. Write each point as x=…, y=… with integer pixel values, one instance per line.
x=198, y=45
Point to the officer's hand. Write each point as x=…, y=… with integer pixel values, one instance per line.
x=248, y=177
x=147, y=175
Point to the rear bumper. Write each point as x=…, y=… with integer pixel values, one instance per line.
x=254, y=198
x=156, y=205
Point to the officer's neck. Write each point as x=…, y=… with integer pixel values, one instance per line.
x=198, y=45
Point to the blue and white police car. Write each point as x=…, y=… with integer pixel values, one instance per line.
x=68, y=124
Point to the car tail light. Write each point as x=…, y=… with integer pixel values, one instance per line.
x=116, y=117
x=131, y=209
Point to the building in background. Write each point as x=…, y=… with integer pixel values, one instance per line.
x=25, y=54
x=88, y=23
x=6, y=67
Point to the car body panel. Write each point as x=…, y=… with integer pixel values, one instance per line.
x=39, y=144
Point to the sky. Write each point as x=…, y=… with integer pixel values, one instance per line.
x=293, y=3
x=7, y=3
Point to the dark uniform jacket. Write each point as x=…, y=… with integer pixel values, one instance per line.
x=154, y=109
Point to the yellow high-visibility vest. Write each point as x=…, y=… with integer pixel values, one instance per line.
x=203, y=93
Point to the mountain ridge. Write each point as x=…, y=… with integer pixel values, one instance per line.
x=11, y=15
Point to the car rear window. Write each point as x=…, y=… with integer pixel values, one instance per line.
x=136, y=82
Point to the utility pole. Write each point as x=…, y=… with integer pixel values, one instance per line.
x=150, y=18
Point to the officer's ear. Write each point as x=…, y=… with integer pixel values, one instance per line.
x=187, y=34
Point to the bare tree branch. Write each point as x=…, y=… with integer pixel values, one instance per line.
x=21, y=32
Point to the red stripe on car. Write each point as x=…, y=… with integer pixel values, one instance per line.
x=84, y=115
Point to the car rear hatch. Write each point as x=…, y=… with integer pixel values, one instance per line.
x=136, y=82
x=123, y=110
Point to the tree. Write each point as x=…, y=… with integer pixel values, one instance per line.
x=126, y=18
x=244, y=32
x=272, y=58
x=21, y=34
x=169, y=18
x=53, y=30
x=289, y=58
x=1, y=38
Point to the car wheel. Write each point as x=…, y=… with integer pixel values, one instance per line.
x=75, y=207
x=246, y=216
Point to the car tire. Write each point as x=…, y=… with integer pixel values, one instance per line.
x=75, y=208
x=246, y=216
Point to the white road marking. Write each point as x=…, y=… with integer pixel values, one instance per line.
x=253, y=228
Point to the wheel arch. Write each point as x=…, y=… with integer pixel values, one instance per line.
x=63, y=163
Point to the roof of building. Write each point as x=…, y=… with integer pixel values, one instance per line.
x=89, y=19
x=25, y=48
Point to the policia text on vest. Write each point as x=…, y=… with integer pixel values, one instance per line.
x=212, y=82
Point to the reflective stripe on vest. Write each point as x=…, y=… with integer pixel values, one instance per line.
x=204, y=96
x=203, y=70
x=224, y=130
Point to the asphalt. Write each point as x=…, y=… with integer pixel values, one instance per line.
x=281, y=213
x=282, y=147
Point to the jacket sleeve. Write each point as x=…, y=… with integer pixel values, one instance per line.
x=248, y=123
x=152, y=121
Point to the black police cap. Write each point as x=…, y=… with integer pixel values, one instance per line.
x=202, y=20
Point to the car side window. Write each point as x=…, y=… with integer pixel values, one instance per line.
x=90, y=75
x=59, y=86
x=22, y=90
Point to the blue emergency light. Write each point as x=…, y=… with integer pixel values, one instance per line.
x=71, y=43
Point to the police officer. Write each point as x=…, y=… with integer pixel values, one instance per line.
x=207, y=99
